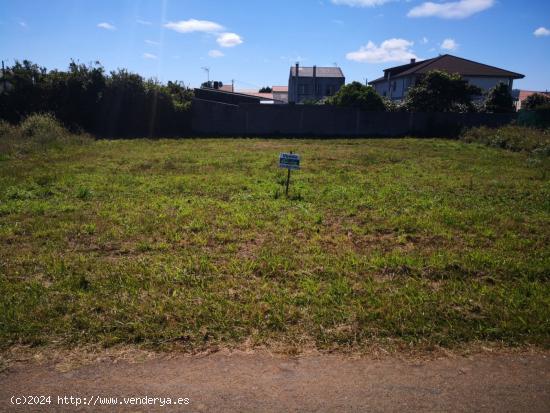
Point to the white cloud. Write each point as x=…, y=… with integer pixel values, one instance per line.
x=449, y=44
x=360, y=3
x=224, y=39
x=152, y=42
x=193, y=25
x=451, y=10
x=541, y=31
x=425, y=40
x=143, y=22
x=24, y=25
x=391, y=50
x=215, y=53
x=229, y=39
x=149, y=56
x=106, y=26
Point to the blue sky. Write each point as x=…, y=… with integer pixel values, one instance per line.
x=255, y=41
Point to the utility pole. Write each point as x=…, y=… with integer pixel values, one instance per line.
x=232, y=85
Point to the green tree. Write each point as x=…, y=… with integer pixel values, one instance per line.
x=120, y=103
x=358, y=95
x=265, y=89
x=534, y=101
x=439, y=91
x=499, y=100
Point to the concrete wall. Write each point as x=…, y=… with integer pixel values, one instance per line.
x=218, y=119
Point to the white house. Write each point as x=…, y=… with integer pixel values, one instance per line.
x=397, y=80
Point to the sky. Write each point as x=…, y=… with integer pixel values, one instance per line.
x=254, y=42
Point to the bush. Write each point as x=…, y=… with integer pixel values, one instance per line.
x=514, y=138
x=42, y=128
x=358, y=95
x=439, y=91
x=37, y=132
x=393, y=105
x=499, y=100
x=118, y=104
x=534, y=101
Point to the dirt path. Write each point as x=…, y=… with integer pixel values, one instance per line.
x=318, y=383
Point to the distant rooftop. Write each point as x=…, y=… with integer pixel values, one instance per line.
x=280, y=89
x=254, y=92
x=321, y=71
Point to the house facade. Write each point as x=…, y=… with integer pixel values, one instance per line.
x=397, y=80
x=280, y=93
x=313, y=83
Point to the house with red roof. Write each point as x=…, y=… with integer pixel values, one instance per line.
x=397, y=80
x=521, y=95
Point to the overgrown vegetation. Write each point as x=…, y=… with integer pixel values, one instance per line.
x=84, y=97
x=439, y=91
x=38, y=132
x=512, y=137
x=357, y=95
x=192, y=244
x=534, y=101
x=499, y=100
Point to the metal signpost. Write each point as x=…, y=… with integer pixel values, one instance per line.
x=290, y=161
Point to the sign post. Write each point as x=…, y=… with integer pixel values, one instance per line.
x=290, y=161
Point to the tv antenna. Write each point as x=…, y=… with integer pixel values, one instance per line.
x=207, y=70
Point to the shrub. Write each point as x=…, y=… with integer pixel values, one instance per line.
x=534, y=101
x=8, y=137
x=393, y=105
x=358, y=95
x=37, y=132
x=120, y=103
x=42, y=128
x=514, y=138
x=499, y=100
x=439, y=91
x=6, y=129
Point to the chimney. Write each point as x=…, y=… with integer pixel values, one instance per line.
x=297, y=69
x=413, y=61
x=315, y=81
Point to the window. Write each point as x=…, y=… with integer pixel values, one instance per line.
x=303, y=89
x=330, y=90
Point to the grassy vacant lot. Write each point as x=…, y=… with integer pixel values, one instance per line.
x=192, y=243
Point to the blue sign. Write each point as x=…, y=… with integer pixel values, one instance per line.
x=289, y=161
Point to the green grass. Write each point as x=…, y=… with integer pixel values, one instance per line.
x=192, y=243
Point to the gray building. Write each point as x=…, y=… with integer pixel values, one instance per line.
x=313, y=83
x=397, y=80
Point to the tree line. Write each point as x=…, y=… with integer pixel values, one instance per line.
x=438, y=91
x=84, y=97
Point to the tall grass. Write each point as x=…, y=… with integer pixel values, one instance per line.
x=512, y=137
x=38, y=132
